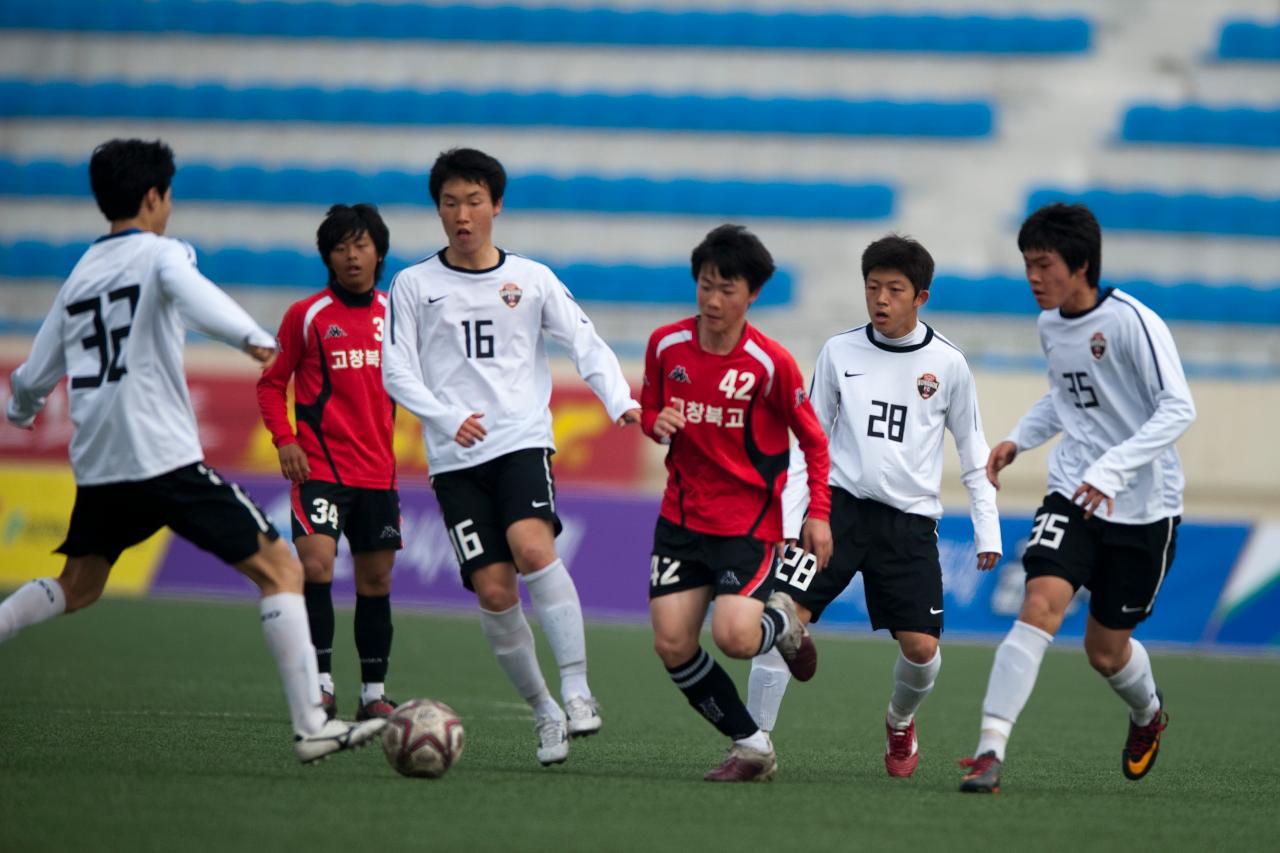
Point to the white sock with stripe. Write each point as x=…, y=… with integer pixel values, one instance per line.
x=555, y=600
x=1013, y=675
x=30, y=604
x=284, y=625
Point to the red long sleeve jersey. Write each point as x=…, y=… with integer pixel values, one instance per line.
x=331, y=346
x=727, y=467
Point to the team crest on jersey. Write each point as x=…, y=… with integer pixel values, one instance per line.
x=335, y=331
x=1098, y=346
x=679, y=374
x=511, y=293
x=927, y=385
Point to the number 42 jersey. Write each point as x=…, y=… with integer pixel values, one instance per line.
x=117, y=328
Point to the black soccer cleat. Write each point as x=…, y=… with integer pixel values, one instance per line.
x=1143, y=744
x=984, y=774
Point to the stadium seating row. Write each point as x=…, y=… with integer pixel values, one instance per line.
x=1196, y=124
x=989, y=34
x=637, y=111
x=1191, y=213
x=1249, y=40
x=613, y=283
x=300, y=185
x=627, y=284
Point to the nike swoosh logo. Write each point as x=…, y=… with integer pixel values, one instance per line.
x=1127, y=609
x=847, y=373
x=933, y=612
x=541, y=504
x=432, y=300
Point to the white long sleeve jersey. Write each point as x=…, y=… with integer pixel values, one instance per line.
x=463, y=341
x=117, y=329
x=884, y=406
x=1118, y=394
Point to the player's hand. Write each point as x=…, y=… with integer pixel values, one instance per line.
x=471, y=431
x=987, y=560
x=1001, y=456
x=668, y=423
x=815, y=537
x=1090, y=499
x=293, y=463
x=262, y=355
x=630, y=416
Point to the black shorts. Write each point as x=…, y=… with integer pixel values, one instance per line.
x=370, y=518
x=480, y=503
x=1122, y=565
x=685, y=559
x=197, y=504
x=897, y=553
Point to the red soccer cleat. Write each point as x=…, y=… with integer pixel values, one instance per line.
x=901, y=752
x=984, y=774
x=745, y=765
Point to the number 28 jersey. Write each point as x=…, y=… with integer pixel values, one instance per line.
x=117, y=329
x=728, y=465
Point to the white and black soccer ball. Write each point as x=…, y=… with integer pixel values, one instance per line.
x=423, y=738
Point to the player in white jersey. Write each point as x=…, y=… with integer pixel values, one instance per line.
x=117, y=328
x=884, y=393
x=1118, y=395
x=465, y=353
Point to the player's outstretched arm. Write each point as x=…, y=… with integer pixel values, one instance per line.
x=204, y=306
x=596, y=363
x=35, y=378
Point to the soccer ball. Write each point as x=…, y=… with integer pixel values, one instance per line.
x=423, y=738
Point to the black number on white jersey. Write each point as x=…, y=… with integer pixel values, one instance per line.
x=483, y=347
x=1078, y=384
x=891, y=417
x=109, y=347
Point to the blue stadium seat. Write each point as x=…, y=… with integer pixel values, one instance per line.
x=1188, y=213
x=1196, y=124
x=1249, y=40
x=948, y=34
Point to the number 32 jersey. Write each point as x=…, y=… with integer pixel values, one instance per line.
x=464, y=341
x=728, y=465
x=117, y=329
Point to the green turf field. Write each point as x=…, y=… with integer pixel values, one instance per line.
x=160, y=725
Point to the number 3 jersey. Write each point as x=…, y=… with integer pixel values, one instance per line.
x=728, y=465
x=885, y=405
x=464, y=341
x=1118, y=395
x=117, y=329
x=331, y=345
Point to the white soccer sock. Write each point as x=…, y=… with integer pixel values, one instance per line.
x=911, y=684
x=1136, y=685
x=759, y=742
x=326, y=681
x=288, y=635
x=372, y=691
x=555, y=600
x=766, y=686
x=30, y=604
x=1013, y=675
x=511, y=639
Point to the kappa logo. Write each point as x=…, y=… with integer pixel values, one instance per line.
x=1098, y=346
x=679, y=374
x=800, y=397
x=390, y=532
x=335, y=331
x=927, y=384
x=729, y=579
x=511, y=293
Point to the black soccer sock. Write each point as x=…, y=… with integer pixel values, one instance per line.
x=772, y=624
x=373, y=636
x=319, y=597
x=713, y=694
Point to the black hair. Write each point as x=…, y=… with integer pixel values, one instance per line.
x=907, y=256
x=121, y=171
x=1070, y=230
x=346, y=222
x=471, y=165
x=735, y=253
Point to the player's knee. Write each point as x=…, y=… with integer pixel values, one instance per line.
x=532, y=556
x=1105, y=660
x=737, y=641
x=493, y=595
x=374, y=583
x=1039, y=612
x=317, y=569
x=81, y=588
x=918, y=648
x=274, y=568
x=673, y=650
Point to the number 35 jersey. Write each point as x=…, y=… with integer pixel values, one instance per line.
x=885, y=405
x=1118, y=395
x=464, y=341
x=117, y=329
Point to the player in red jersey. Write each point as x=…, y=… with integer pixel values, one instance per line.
x=340, y=459
x=724, y=397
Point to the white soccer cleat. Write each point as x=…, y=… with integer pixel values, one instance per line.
x=584, y=716
x=336, y=736
x=553, y=740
